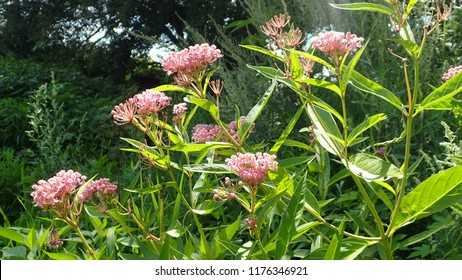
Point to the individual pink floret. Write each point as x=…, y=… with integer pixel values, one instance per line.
x=252, y=168
x=451, y=73
x=46, y=194
x=337, y=44
x=151, y=102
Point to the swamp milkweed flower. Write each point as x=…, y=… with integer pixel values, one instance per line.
x=102, y=187
x=189, y=64
x=451, y=73
x=252, y=168
x=151, y=102
x=337, y=44
x=49, y=193
x=124, y=112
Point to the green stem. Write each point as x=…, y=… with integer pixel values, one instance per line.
x=75, y=227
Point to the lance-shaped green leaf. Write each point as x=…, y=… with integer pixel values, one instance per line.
x=368, y=123
x=147, y=152
x=175, y=88
x=263, y=51
x=412, y=47
x=364, y=6
x=215, y=168
x=349, y=69
x=207, y=81
x=333, y=250
x=432, y=195
x=282, y=138
x=295, y=67
x=323, y=84
x=314, y=58
x=290, y=219
x=256, y=110
x=372, y=168
x=326, y=126
x=205, y=104
x=410, y=5
x=441, y=97
x=364, y=84
x=198, y=147
x=273, y=73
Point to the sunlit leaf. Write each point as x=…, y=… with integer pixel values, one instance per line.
x=432, y=195
x=372, y=168
x=364, y=6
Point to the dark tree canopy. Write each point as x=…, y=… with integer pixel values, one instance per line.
x=99, y=36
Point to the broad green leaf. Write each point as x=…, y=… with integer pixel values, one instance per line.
x=440, y=98
x=372, y=168
x=364, y=84
x=350, y=68
x=324, y=122
x=256, y=110
x=333, y=250
x=432, y=195
x=282, y=185
x=290, y=219
x=62, y=256
x=364, y=6
x=13, y=235
x=323, y=84
x=205, y=104
x=282, y=138
x=368, y=123
x=263, y=51
x=175, y=88
x=111, y=240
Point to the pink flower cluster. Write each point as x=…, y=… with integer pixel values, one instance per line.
x=190, y=62
x=337, y=44
x=47, y=194
x=151, y=101
x=210, y=132
x=146, y=103
x=252, y=168
x=451, y=73
x=102, y=187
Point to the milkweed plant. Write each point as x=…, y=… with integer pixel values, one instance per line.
x=212, y=195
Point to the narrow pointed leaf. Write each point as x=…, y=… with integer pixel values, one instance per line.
x=333, y=250
x=441, y=97
x=282, y=138
x=257, y=109
x=314, y=58
x=349, y=69
x=290, y=219
x=263, y=51
x=432, y=195
x=324, y=122
x=364, y=84
x=364, y=6
x=368, y=123
x=323, y=84
x=204, y=104
x=175, y=88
